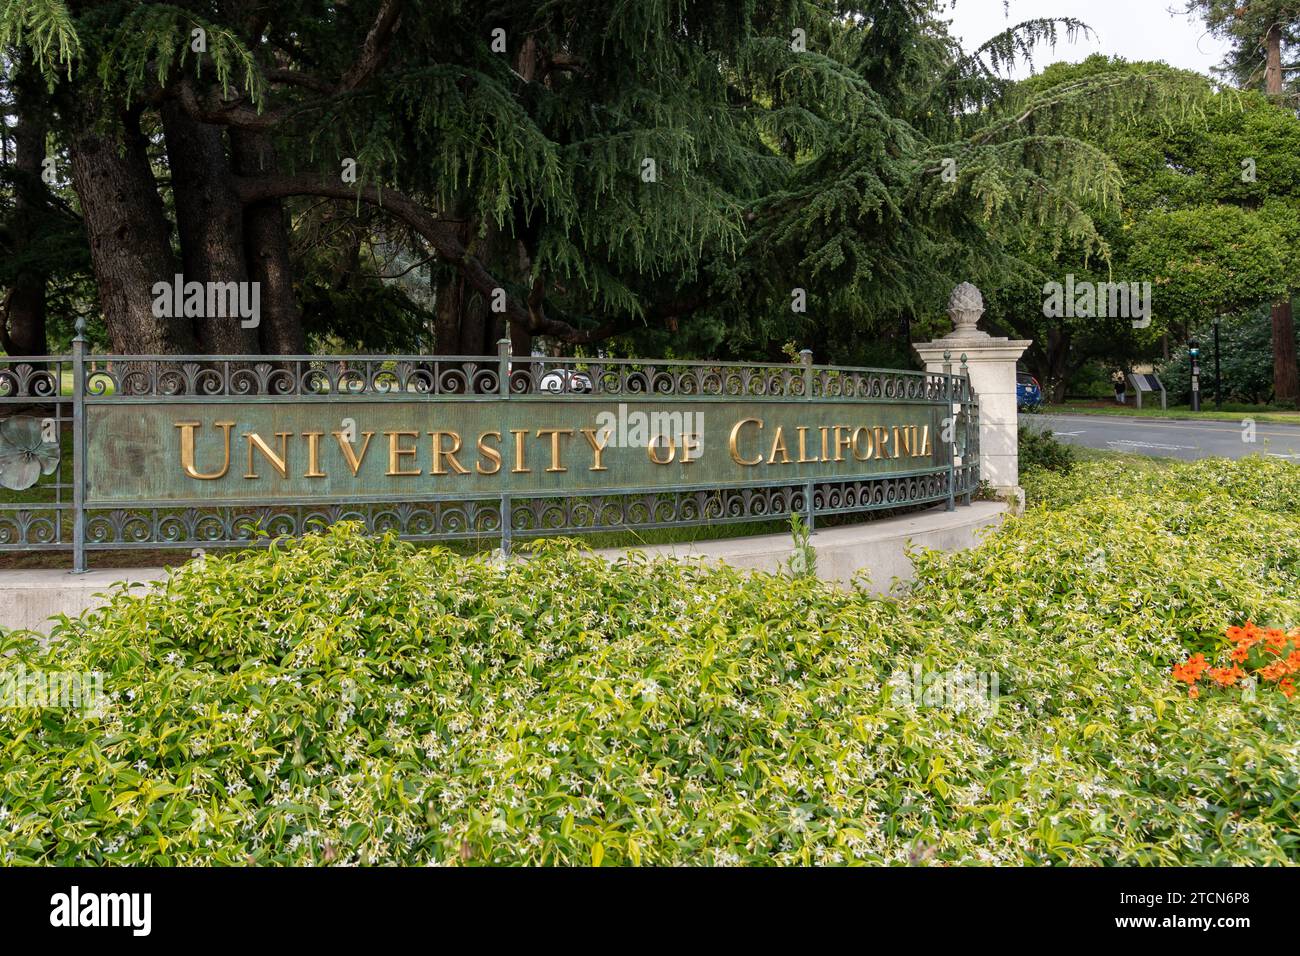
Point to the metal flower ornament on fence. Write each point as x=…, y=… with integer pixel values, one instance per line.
x=26, y=452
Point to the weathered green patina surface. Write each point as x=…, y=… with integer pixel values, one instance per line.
x=202, y=451
x=285, y=450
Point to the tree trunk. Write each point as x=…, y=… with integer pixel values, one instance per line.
x=1273, y=84
x=130, y=247
x=266, y=249
x=464, y=324
x=1058, y=355
x=22, y=326
x=1286, y=376
x=210, y=222
x=521, y=340
x=450, y=305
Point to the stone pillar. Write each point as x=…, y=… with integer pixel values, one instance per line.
x=992, y=367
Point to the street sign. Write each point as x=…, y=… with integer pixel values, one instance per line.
x=1144, y=382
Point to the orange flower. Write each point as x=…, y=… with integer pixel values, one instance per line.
x=1274, y=671
x=1226, y=676
x=1244, y=636
x=1191, y=671
x=1282, y=645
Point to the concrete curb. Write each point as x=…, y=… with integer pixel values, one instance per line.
x=29, y=599
x=879, y=547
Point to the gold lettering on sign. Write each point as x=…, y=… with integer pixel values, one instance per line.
x=864, y=443
x=354, y=460
x=653, y=443
x=439, y=453
x=397, y=452
x=862, y=432
x=187, y=450
x=490, y=453
x=555, y=434
x=778, y=442
x=520, y=468
x=882, y=439
x=902, y=446
x=280, y=462
x=597, y=448
x=842, y=441
x=803, y=445
x=313, y=455
x=733, y=441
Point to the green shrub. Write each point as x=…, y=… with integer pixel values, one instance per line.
x=1041, y=450
x=1245, y=361
x=1092, y=381
x=354, y=700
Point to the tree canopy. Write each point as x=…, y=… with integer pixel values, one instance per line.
x=1265, y=55
x=719, y=177
x=1208, y=213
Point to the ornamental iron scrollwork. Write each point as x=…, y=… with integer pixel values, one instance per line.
x=64, y=389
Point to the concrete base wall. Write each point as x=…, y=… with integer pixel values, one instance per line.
x=28, y=599
x=878, y=548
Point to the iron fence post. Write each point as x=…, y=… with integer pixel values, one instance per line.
x=968, y=397
x=503, y=388
x=503, y=367
x=506, y=531
x=950, y=427
x=79, y=449
x=810, y=491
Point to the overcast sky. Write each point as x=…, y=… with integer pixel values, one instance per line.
x=1133, y=29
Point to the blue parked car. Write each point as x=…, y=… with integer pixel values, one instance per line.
x=1029, y=394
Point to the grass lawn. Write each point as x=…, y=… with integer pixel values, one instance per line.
x=1230, y=412
x=1143, y=463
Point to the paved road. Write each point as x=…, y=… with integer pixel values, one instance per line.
x=1172, y=439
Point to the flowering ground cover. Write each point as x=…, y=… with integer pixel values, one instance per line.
x=349, y=700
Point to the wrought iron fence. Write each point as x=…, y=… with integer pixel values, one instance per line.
x=47, y=403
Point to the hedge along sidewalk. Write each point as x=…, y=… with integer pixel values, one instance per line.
x=30, y=599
